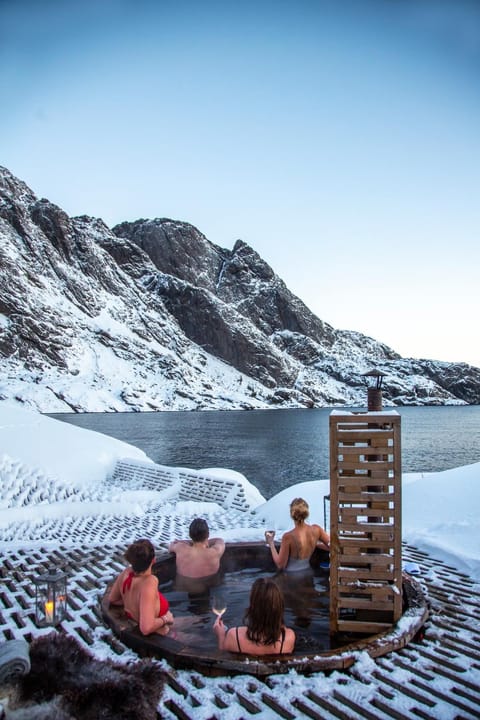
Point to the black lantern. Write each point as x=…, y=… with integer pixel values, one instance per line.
x=50, y=598
x=373, y=380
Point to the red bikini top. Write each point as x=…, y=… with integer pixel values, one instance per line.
x=164, y=605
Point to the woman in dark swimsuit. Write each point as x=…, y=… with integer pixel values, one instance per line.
x=265, y=632
x=136, y=588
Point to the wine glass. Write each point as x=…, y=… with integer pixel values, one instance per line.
x=269, y=535
x=219, y=605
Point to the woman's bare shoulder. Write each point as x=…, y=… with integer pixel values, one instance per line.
x=289, y=633
x=150, y=583
x=121, y=577
x=289, y=643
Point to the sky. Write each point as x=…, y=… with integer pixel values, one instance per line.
x=338, y=138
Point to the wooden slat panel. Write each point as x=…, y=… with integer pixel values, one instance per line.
x=361, y=515
x=372, y=587
x=347, y=512
x=360, y=451
x=350, y=464
x=367, y=604
x=380, y=560
x=372, y=531
x=357, y=557
x=365, y=545
x=364, y=482
x=351, y=426
x=364, y=540
x=361, y=484
x=358, y=544
x=352, y=527
x=363, y=435
x=355, y=530
x=365, y=574
x=349, y=423
x=383, y=505
x=365, y=496
x=381, y=479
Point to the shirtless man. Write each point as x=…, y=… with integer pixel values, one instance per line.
x=198, y=557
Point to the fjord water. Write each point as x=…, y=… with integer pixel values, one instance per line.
x=278, y=448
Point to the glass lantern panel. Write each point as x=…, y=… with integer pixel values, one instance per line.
x=61, y=600
x=42, y=604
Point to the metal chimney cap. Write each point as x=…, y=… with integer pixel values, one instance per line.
x=374, y=373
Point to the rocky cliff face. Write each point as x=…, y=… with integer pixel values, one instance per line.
x=151, y=315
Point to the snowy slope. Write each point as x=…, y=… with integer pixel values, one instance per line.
x=151, y=315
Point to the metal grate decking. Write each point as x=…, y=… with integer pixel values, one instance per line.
x=435, y=678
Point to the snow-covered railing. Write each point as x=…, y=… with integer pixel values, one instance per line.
x=187, y=484
x=133, y=473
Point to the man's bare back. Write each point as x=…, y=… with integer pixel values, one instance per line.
x=200, y=556
x=196, y=560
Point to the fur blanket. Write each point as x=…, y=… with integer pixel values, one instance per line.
x=67, y=683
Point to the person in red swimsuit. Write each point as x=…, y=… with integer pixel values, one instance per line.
x=136, y=588
x=265, y=632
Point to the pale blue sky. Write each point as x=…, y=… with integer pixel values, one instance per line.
x=339, y=138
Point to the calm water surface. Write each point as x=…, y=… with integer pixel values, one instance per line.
x=306, y=599
x=278, y=448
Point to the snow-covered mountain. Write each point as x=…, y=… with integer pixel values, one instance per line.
x=151, y=315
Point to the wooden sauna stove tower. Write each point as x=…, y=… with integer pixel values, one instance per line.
x=365, y=521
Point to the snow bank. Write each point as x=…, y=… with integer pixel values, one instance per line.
x=59, y=450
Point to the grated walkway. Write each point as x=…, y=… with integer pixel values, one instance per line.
x=435, y=678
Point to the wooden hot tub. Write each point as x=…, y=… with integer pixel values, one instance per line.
x=211, y=661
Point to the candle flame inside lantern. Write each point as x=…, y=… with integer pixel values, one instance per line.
x=49, y=611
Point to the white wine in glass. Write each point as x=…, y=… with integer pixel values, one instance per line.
x=269, y=535
x=219, y=606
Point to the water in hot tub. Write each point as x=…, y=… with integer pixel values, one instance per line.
x=306, y=598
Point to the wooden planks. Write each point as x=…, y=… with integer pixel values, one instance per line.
x=418, y=681
x=365, y=521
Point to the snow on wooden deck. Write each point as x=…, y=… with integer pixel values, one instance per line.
x=437, y=677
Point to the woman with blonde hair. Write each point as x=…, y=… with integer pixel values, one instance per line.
x=264, y=632
x=298, y=544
